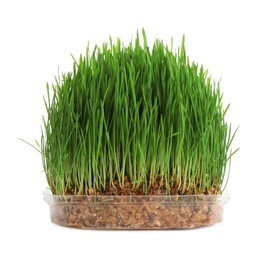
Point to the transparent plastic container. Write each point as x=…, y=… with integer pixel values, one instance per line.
x=136, y=212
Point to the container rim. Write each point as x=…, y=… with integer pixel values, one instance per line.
x=51, y=199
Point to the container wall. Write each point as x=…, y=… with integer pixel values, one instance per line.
x=141, y=212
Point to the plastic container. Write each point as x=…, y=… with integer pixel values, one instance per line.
x=136, y=212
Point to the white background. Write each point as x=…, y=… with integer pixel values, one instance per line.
x=37, y=37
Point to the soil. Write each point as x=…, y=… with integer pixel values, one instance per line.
x=113, y=210
x=157, y=188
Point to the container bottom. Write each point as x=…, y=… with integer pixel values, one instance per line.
x=143, y=215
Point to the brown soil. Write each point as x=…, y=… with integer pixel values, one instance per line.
x=158, y=188
x=113, y=210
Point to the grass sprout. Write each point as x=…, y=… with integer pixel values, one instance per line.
x=148, y=114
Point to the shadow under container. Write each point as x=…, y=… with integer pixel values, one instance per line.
x=136, y=212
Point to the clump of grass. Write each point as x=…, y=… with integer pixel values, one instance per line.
x=131, y=111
